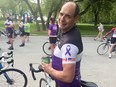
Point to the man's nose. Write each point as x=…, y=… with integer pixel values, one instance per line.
x=62, y=19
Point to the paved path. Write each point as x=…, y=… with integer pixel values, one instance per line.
x=96, y=68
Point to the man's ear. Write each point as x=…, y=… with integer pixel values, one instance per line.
x=76, y=18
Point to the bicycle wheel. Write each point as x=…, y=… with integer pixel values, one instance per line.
x=17, y=78
x=88, y=84
x=46, y=48
x=102, y=48
x=43, y=83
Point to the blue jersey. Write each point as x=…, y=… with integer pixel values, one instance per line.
x=69, y=51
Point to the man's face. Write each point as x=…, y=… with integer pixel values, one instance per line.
x=7, y=15
x=66, y=17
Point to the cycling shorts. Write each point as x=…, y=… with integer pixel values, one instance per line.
x=27, y=34
x=22, y=33
x=10, y=33
x=52, y=40
x=113, y=40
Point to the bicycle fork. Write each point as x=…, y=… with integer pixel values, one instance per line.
x=6, y=76
x=48, y=78
x=10, y=81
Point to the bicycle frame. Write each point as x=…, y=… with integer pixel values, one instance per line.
x=48, y=78
x=104, y=47
x=8, y=76
x=8, y=63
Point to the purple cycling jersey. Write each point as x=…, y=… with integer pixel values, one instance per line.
x=69, y=51
x=21, y=28
x=54, y=29
x=7, y=23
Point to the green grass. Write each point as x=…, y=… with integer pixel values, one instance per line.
x=91, y=30
x=85, y=29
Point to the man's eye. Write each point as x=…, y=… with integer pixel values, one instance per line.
x=61, y=14
x=67, y=16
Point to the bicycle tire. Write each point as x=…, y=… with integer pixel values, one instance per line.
x=102, y=48
x=18, y=77
x=43, y=83
x=46, y=48
x=88, y=84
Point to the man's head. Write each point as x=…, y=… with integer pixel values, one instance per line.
x=8, y=15
x=68, y=16
x=52, y=20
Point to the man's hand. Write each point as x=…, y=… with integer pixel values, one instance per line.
x=46, y=67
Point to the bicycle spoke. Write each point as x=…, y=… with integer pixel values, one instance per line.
x=102, y=48
x=12, y=78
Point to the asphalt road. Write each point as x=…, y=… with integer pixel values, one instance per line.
x=95, y=68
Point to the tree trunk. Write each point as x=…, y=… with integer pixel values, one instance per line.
x=96, y=18
x=37, y=25
x=41, y=15
x=34, y=14
x=47, y=22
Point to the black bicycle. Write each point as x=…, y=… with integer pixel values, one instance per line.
x=10, y=77
x=48, y=81
x=5, y=33
x=103, y=47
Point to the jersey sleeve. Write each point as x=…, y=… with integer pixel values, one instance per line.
x=113, y=29
x=50, y=27
x=69, y=53
x=10, y=22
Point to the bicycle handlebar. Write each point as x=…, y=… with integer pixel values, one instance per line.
x=7, y=62
x=40, y=69
x=10, y=55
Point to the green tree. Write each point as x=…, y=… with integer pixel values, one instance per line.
x=35, y=8
x=54, y=7
x=97, y=9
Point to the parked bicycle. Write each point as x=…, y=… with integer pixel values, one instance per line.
x=104, y=47
x=48, y=81
x=10, y=77
x=5, y=33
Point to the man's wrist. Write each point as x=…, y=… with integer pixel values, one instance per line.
x=50, y=71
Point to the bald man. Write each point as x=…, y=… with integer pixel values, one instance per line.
x=65, y=65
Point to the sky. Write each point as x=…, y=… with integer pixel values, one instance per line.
x=35, y=1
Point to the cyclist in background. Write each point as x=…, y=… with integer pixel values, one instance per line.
x=52, y=33
x=113, y=40
x=100, y=34
x=22, y=32
x=27, y=30
x=9, y=25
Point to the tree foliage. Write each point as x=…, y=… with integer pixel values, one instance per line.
x=98, y=10
x=91, y=11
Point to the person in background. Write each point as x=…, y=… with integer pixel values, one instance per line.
x=113, y=40
x=101, y=30
x=27, y=30
x=66, y=59
x=9, y=25
x=52, y=33
x=22, y=33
